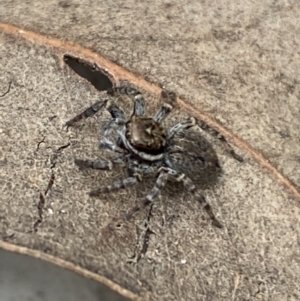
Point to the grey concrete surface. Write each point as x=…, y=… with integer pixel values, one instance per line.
x=30, y=279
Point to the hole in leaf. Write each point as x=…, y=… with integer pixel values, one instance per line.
x=91, y=72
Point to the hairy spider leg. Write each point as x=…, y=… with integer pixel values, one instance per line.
x=189, y=185
x=119, y=184
x=167, y=106
x=160, y=184
x=116, y=112
x=185, y=124
x=153, y=194
x=139, y=101
x=142, y=169
x=204, y=126
x=90, y=111
x=118, y=121
x=101, y=164
x=137, y=171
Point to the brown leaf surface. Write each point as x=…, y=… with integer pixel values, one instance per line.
x=235, y=66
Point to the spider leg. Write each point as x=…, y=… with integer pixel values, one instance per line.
x=90, y=111
x=204, y=126
x=139, y=102
x=167, y=106
x=183, y=125
x=116, y=112
x=109, y=145
x=188, y=184
x=120, y=184
x=153, y=194
x=117, y=121
x=134, y=167
x=187, y=123
x=101, y=164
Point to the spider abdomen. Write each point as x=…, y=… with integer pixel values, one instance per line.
x=190, y=153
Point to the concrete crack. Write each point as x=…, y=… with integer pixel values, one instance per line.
x=56, y=153
x=40, y=206
x=50, y=184
x=7, y=91
x=143, y=237
x=39, y=143
x=42, y=201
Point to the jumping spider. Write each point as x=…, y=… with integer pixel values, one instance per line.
x=147, y=148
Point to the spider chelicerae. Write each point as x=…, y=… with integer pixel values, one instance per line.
x=148, y=149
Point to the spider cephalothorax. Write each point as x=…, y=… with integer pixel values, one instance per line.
x=145, y=135
x=147, y=148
